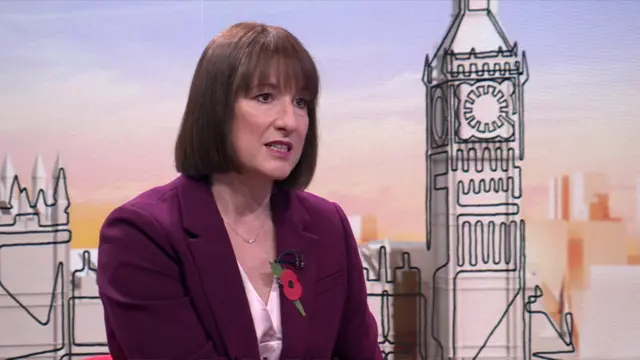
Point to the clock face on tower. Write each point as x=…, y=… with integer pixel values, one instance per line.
x=439, y=118
x=484, y=111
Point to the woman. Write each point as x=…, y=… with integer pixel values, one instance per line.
x=211, y=265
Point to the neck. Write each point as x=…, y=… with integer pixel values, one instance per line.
x=240, y=196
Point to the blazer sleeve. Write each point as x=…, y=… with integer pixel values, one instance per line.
x=358, y=334
x=147, y=310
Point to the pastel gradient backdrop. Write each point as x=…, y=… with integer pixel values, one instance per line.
x=104, y=84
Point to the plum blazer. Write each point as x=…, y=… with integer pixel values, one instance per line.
x=171, y=288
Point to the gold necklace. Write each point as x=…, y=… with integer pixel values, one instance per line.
x=250, y=240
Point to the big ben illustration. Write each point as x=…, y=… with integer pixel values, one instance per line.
x=475, y=148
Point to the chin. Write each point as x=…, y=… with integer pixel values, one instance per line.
x=277, y=174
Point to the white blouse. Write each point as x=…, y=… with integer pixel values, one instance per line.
x=266, y=318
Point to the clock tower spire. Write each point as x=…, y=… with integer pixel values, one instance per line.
x=475, y=148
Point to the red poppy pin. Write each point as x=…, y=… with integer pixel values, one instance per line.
x=291, y=287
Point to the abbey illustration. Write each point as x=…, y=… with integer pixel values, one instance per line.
x=47, y=310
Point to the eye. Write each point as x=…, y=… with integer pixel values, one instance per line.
x=264, y=98
x=300, y=103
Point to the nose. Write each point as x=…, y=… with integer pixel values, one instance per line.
x=287, y=121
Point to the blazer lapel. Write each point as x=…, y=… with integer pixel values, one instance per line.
x=290, y=221
x=220, y=276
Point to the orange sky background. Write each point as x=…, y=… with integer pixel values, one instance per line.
x=113, y=118
x=390, y=189
x=381, y=168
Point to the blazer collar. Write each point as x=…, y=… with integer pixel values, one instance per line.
x=216, y=263
x=290, y=220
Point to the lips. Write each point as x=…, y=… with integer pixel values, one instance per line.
x=280, y=145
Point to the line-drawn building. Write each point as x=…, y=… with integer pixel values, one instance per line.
x=47, y=311
x=483, y=302
x=396, y=285
x=475, y=147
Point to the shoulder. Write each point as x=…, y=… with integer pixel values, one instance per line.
x=313, y=202
x=153, y=209
x=321, y=210
x=316, y=204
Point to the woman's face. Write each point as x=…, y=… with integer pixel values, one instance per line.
x=269, y=128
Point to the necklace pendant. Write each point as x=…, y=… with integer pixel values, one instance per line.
x=251, y=241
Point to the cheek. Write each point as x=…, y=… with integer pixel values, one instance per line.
x=302, y=130
x=303, y=126
x=250, y=125
x=246, y=132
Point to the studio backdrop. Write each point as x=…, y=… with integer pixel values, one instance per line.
x=484, y=151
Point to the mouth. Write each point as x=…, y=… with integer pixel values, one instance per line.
x=280, y=146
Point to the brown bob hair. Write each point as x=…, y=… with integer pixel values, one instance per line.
x=239, y=57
